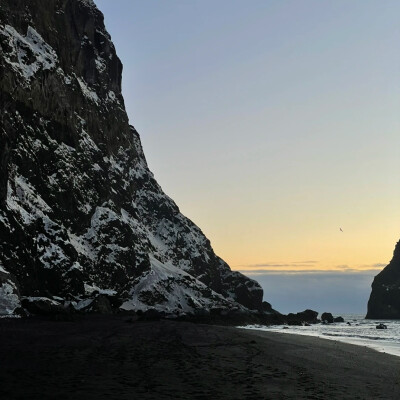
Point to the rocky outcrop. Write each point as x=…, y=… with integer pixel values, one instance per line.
x=43, y=306
x=301, y=318
x=9, y=293
x=327, y=318
x=384, y=301
x=80, y=211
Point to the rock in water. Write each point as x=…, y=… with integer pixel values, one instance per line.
x=80, y=212
x=327, y=318
x=384, y=301
x=338, y=319
x=300, y=318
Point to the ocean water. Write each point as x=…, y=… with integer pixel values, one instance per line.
x=361, y=332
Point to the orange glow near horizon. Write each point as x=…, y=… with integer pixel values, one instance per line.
x=305, y=240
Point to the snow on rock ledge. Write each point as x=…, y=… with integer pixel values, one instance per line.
x=27, y=54
x=9, y=294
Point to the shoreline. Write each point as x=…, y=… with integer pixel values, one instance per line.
x=108, y=357
x=378, y=341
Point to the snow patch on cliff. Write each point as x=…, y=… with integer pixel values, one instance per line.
x=167, y=288
x=9, y=299
x=23, y=199
x=29, y=53
x=88, y=92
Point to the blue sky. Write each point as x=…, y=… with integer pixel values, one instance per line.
x=272, y=124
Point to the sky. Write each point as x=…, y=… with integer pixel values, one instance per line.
x=273, y=124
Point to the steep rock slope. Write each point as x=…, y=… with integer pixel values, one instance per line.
x=80, y=212
x=384, y=301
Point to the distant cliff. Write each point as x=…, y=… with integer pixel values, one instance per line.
x=384, y=302
x=80, y=212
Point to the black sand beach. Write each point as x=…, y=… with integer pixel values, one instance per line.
x=108, y=358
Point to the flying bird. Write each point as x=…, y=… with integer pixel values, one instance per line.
x=341, y=230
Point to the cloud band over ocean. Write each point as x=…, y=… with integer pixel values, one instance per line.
x=305, y=267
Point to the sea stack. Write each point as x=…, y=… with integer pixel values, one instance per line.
x=384, y=302
x=81, y=215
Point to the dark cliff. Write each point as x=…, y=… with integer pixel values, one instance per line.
x=384, y=301
x=80, y=212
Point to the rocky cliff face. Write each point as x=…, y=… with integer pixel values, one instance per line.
x=80, y=212
x=384, y=302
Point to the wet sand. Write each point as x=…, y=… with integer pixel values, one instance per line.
x=109, y=358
